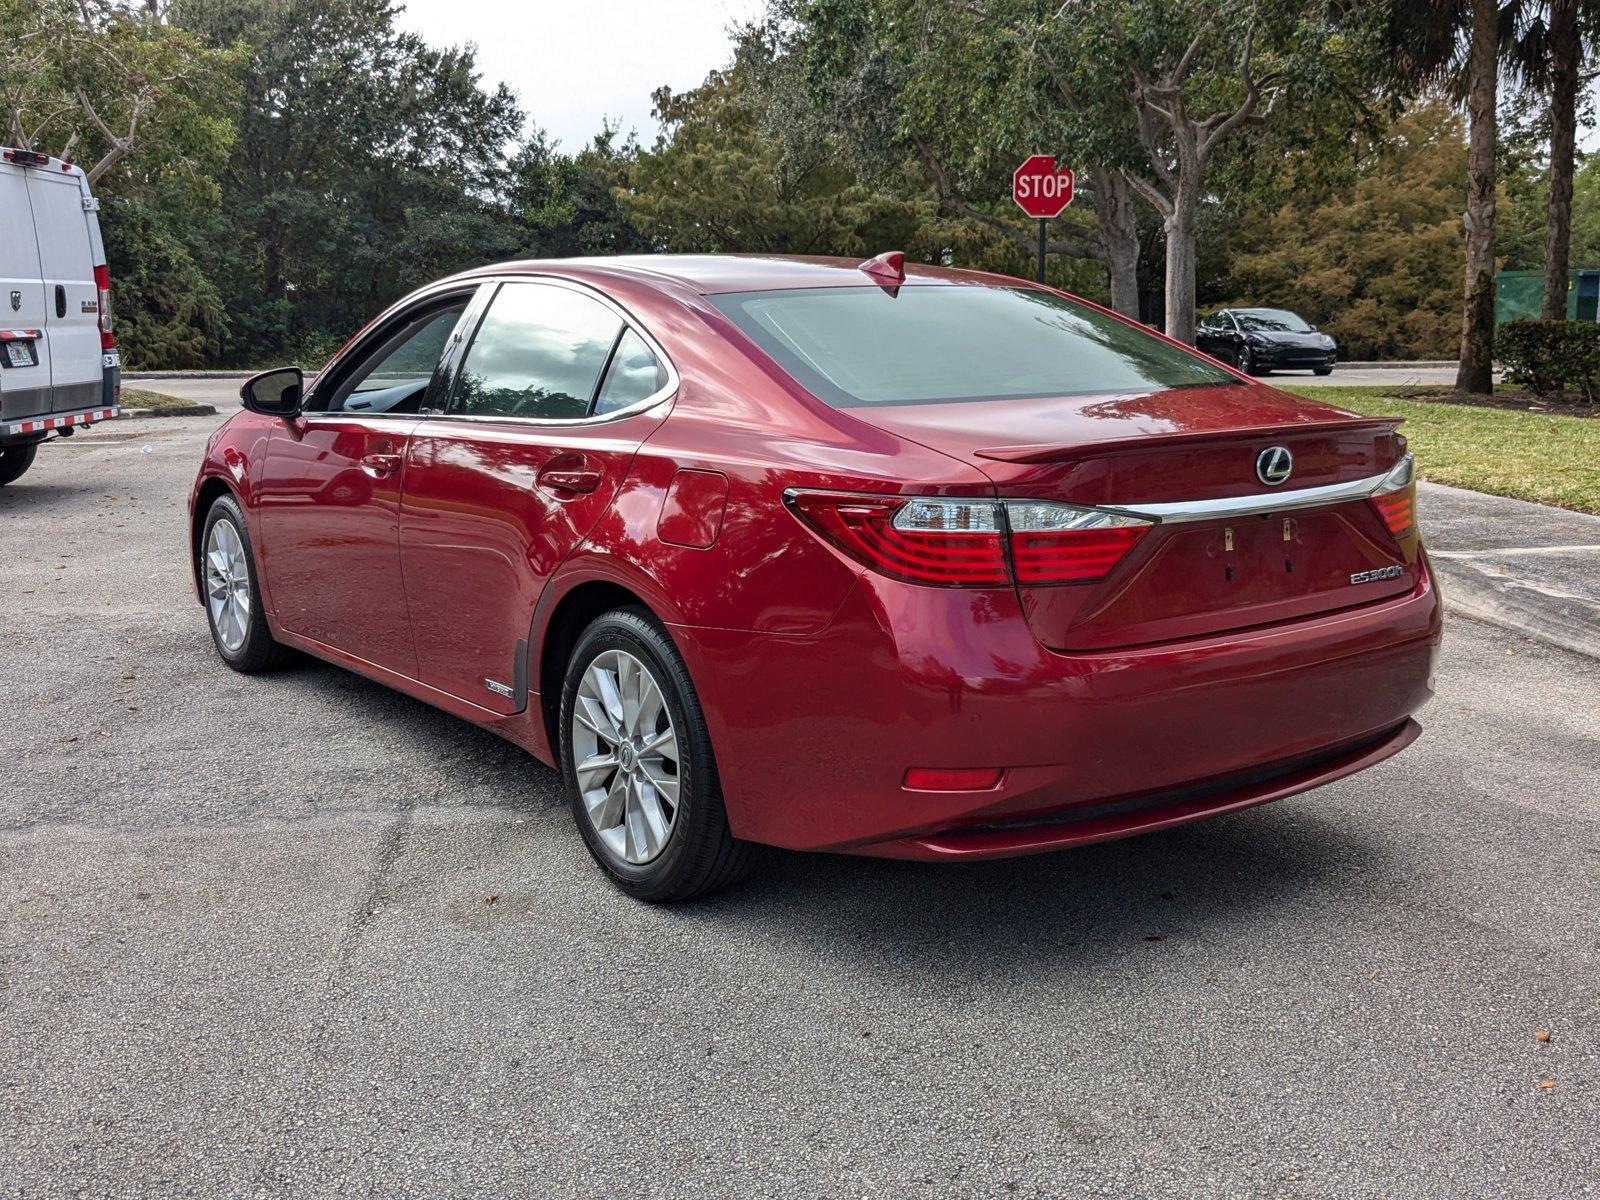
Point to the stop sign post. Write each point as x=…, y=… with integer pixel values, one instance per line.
x=1042, y=190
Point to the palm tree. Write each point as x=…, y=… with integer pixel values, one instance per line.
x=1458, y=42
x=1546, y=53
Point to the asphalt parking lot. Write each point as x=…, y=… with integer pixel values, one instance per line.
x=299, y=935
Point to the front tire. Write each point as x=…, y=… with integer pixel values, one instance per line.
x=1247, y=361
x=15, y=460
x=637, y=762
x=1322, y=370
x=232, y=594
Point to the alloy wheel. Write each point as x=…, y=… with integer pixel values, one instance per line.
x=625, y=755
x=227, y=585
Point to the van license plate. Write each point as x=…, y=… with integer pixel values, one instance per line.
x=20, y=354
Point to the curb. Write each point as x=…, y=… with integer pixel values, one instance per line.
x=198, y=374
x=1396, y=366
x=186, y=374
x=187, y=410
x=1482, y=594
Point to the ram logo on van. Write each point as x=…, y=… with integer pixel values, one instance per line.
x=16, y=299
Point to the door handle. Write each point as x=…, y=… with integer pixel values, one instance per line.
x=580, y=481
x=380, y=466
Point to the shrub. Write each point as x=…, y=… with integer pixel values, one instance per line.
x=1548, y=357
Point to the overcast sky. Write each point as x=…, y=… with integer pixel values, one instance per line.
x=576, y=62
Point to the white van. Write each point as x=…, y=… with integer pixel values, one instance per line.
x=59, y=368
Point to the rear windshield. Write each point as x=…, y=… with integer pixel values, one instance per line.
x=856, y=346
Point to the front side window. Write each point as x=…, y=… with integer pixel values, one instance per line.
x=395, y=375
x=935, y=343
x=538, y=353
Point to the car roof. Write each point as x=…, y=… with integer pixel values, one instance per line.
x=712, y=274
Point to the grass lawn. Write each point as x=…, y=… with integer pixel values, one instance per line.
x=1553, y=460
x=139, y=398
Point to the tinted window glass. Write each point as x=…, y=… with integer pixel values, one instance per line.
x=1271, y=320
x=398, y=371
x=634, y=374
x=538, y=353
x=863, y=345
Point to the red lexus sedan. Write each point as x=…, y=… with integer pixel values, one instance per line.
x=861, y=557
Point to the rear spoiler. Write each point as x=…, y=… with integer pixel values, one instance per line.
x=1178, y=439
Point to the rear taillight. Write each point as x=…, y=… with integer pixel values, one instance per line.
x=946, y=543
x=971, y=543
x=1057, y=543
x=102, y=283
x=1396, y=498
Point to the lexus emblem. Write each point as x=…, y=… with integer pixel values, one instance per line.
x=16, y=299
x=1274, y=465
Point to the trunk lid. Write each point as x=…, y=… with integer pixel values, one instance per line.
x=1190, y=575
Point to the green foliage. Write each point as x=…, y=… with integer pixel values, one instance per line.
x=1374, y=259
x=1548, y=357
x=741, y=166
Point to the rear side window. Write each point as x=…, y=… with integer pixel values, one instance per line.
x=538, y=353
x=635, y=374
x=938, y=343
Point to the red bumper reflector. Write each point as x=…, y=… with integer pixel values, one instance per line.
x=942, y=779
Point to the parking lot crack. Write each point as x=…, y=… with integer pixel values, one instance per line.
x=373, y=896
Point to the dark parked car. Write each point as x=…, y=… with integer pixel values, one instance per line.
x=1260, y=340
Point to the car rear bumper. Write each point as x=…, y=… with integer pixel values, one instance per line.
x=813, y=736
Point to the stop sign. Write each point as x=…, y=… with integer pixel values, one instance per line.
x=1040, y=188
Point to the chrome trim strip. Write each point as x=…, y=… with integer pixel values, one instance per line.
x=1177, y=512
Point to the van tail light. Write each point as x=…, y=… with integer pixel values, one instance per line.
x=971, y=543
x=1396, y=498
x=102, y=283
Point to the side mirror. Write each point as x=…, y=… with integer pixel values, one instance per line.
x=274, y=393
x=1313, y=328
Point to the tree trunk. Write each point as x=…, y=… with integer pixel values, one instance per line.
x=1119, y=238
x=1476, y=372
x=1180, y=267
x=1564, y=56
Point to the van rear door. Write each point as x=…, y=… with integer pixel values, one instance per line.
x=24, y=389
x=67, y=255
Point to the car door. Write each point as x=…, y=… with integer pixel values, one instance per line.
x=328, y=492
x=548, y=403
x=1211, y=337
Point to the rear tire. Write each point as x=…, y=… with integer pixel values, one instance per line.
x=649, y=802
x=15, y=461
x=227, y=569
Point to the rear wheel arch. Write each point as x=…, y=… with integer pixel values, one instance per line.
x=572, y=614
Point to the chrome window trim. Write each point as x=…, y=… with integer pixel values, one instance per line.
x=659, y=396
x=496, y=281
